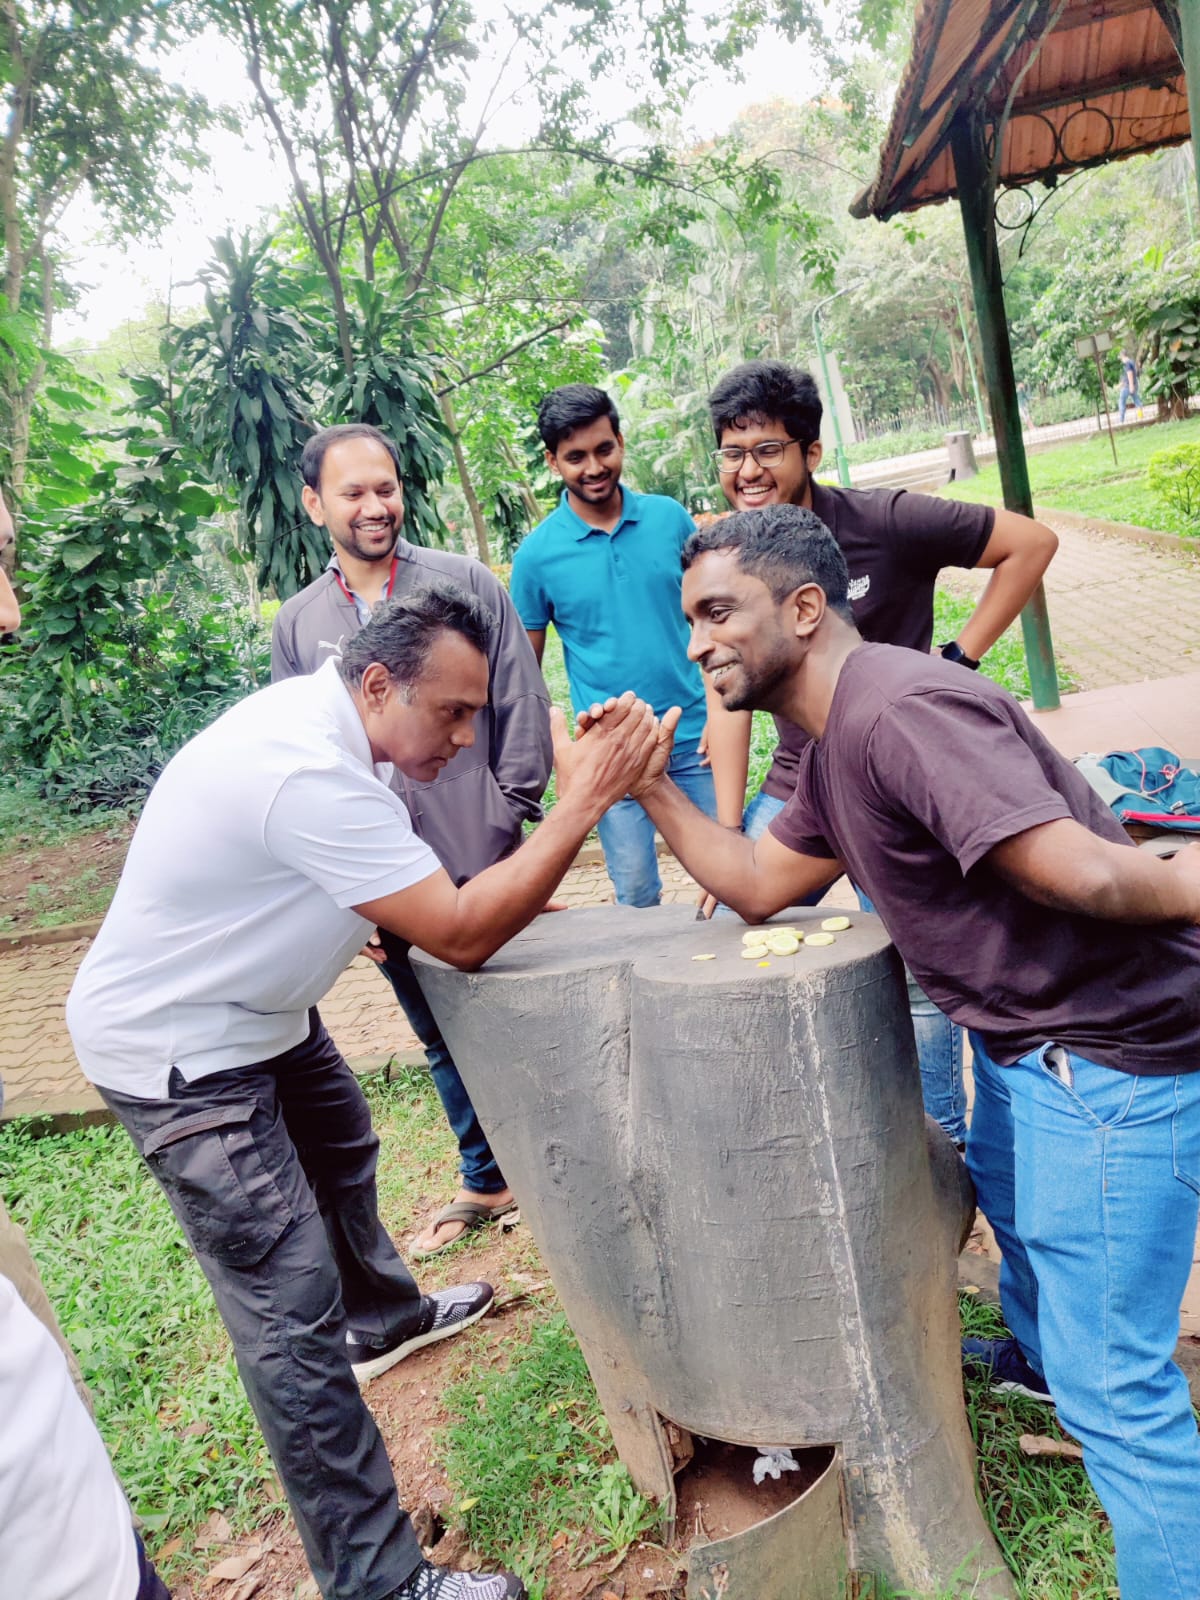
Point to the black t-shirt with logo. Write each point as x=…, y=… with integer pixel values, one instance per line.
x=923, y=769
x=895, y=544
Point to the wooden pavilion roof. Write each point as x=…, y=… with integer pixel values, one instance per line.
x=1089, y=81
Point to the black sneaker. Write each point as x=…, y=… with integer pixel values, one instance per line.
x=444, y=1312
x=1010, y=1373
x=440, y=1583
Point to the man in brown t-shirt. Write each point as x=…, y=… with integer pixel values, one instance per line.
x=1015, y=898
x=766, y=418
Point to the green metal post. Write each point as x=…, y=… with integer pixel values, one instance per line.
x=839, y=448
x=1189, y=29
x=975, y=197
x=962, y=322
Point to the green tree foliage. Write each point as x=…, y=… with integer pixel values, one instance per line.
x=243, y=405
x=86, y=110
x=1174, y=475
x=122, y=656
x=1164, y=314
x=262, y=370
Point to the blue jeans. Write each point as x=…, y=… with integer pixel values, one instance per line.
x=939, y=1041
x=477, y=1164
x=1090, y=1179
x=627, y=834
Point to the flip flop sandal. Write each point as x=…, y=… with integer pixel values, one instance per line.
x=471, y=1213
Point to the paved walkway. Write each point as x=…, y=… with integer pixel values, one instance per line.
x=38, y=1066
x=1120, y=612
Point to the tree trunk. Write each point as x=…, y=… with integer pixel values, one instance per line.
x=464, y=477
x=528, y=499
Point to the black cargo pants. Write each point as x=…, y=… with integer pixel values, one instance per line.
x=270, y=1170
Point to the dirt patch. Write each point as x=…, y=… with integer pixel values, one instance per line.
x=44, y=885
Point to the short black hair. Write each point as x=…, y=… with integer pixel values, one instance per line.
x=313, y=455
x=573, y=406
x=401, y=632
x=767, y=391
x=785, y=546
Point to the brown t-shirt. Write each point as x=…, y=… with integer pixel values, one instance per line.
x=921, y=770
x=895, y=545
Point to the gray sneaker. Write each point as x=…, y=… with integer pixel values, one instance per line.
x=440, y=1583
x=443, y=1313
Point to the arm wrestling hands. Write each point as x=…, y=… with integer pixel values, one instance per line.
x=756, y=877
x=464, y=926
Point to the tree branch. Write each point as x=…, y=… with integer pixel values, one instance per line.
x=482, y=372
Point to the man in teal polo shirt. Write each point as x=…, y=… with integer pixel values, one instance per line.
x=605, y=569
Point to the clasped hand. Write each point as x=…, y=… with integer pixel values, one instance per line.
x=620, y=749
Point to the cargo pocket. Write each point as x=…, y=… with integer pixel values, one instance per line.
x=219, y=1186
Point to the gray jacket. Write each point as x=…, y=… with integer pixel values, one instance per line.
x=471, y=814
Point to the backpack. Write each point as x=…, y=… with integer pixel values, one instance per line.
x=1152, y=786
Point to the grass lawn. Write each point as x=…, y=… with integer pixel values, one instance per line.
x=1079, y=475
x=525, y=1446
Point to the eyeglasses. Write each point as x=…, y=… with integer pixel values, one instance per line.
x=767, y=454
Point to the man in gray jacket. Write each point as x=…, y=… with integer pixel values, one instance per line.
x=472, y=813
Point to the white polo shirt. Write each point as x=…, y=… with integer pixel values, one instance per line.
x=232, y=916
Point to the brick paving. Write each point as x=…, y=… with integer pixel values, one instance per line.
x=38, y=1066
x=1120, y=612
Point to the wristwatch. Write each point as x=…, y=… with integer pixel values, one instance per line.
x=954, y=652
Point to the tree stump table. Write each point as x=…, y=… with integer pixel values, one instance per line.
x=752, y=1227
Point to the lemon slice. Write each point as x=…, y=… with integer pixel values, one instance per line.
x=783, y=943
x=753, y=952
x=755, y=936
x=836, y=924
x=704, y=958
x=820, y=938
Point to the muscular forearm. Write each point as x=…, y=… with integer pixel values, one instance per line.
x=727, y=864
x=1013, y=583
x=1064, y=865
x=729, y=757
x=495, y=905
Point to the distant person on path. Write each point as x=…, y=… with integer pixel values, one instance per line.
x=1073, y=957
x=604, y=569
x=1023, y=404
x=1129, y=393
x=472, y=813
x=766, y=417
x=269, y=849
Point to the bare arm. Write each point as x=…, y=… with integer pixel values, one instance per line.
x=1018, y=552
x=10, y=609
x=466, y=925
x=728, y=743
x=1064, y=865
x=537, y=638
x=757, y=877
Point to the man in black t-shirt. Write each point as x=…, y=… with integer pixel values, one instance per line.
x=766, y=417
x=1022, y=909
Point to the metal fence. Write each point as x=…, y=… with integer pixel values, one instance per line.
x=915, y=419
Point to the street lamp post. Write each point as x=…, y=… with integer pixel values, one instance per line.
x=839, y=448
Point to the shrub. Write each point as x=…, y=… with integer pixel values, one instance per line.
x=1174, y=476
x=123, y=656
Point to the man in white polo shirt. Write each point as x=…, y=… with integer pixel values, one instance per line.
x=268, y=851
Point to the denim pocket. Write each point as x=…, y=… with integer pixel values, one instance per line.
x=1185, y=1130
x=220, y=1187
x=1102, y=1095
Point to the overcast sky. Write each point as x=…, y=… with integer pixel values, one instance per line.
x=245, y=180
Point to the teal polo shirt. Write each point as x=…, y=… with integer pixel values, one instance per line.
x=614, y=599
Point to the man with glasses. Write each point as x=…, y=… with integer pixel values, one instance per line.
x=766, y=417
